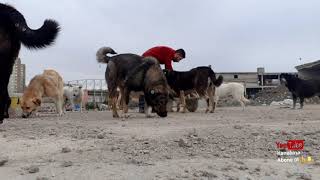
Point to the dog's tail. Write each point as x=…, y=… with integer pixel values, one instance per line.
x=39, y=38
x=102, y=54
x=213, y=78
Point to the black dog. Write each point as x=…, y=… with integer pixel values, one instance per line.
x=199, y=79
x=14, y=31
x=300, y=88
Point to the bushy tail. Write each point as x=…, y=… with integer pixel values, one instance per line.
x=215, y=81
x=40, y=38
x=102, y=54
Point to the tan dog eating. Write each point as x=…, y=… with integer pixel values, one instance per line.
x=48, y=84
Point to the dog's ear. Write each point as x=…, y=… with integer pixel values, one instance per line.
x=80, y=86
x=36, y=101
x=113, y=52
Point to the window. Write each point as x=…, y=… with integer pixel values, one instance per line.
x=235, y=76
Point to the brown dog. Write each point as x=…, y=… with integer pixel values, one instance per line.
x=48, y=84
x=148, y=78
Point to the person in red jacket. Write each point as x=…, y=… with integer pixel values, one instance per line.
x=165, y=55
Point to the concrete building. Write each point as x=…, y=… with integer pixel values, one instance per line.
x=253, y=81
x=309, y=70
x=18, y=78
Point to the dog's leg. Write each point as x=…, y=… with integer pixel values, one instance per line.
x=120, y=100
x=196, y=95
x=124, y=101
x=183, y=101
x=59, y=105
x=169, y=106
x=2, y=101
x=242, y=104
x=109, y=100
x=81, y=106
x=148, y=110
x=216, y=99
x=211, y=92
x=7, y=105
x=294, y=97
x=178, y=105
x=72, y=105
x=114, y=107
x=64, y=105
x=301, y=102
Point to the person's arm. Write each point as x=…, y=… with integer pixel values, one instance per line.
x=168, y=65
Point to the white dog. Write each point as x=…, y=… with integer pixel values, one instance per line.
x=73, y=94
x=236, y=90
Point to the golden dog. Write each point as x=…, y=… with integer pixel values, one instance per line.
x=48, y=84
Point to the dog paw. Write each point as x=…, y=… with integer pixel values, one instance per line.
x=150, y=116
x=115, y=116
x=184, y=110
x=127, y=115
x=6, y=115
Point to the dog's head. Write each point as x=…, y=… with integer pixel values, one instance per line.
x=158, y=98
x=285, y=78
x=76, y=91
x=29, y=105
x=73, y=91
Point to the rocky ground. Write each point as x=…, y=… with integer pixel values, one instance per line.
x=228, y=144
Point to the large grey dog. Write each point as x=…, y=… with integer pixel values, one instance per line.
x=131, y=72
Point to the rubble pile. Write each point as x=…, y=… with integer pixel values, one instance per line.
x=280, y=93
x=268, y=95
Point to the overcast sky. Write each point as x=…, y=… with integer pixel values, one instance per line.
x=231, y=35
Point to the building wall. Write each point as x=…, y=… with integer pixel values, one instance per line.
x=251, y=79
x=17, y=78
x=240, y=77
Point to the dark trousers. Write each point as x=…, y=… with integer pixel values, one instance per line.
x=141, y=103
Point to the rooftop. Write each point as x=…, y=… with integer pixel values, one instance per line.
x=312, y=65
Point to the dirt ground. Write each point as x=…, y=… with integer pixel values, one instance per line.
x=228, y=144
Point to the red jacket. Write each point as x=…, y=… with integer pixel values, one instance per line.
x=163, y=54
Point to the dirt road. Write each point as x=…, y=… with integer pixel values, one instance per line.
x=229, y=144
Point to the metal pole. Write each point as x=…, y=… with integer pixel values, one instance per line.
x=262, y=81
x=94, y=94
x=100, y=91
